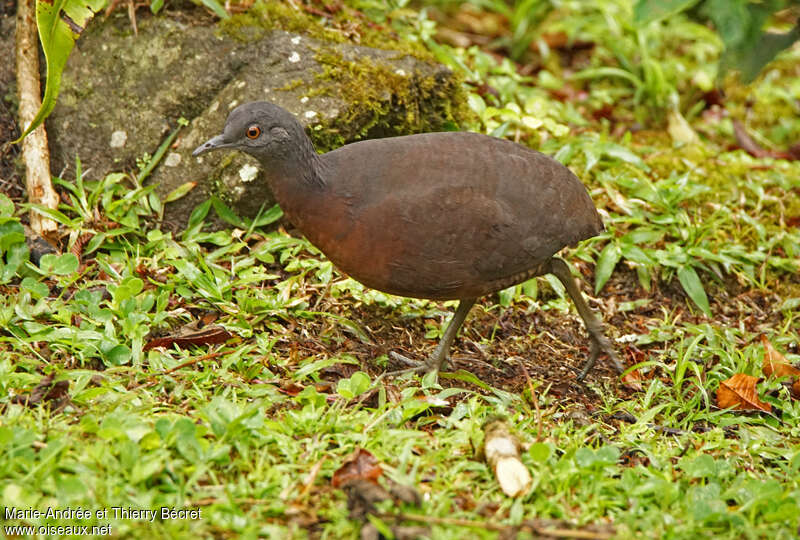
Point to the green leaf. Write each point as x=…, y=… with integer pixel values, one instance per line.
x=531, y=288
x=476, y=103
x=740, y=24
x=465, y=376
x=270, y=216
x=647, y=11
x=118, y=355
x=226, y=213
x=694, y=288
x=198, y=214
x=11, y=257
x=506, y=296
x=586, y=458
x=357, y=384
x=36, y=288
x=540, y=452
x=623, y=154
x=60, y=24
x=127, y=288
x=731, y=19
x=55, y=215
x=70, y=488
x=145, y=468
x=699, y=467
x=635, y=254
x=179, y=191
x=6, y=206
x=318, y=365
x=603, y=72
x=753, y=59
x=11, y=233
x=216, y=7
x=156, y=159
x=608, y=259
x=59, y=265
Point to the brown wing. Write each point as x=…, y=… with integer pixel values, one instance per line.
x=446, y=215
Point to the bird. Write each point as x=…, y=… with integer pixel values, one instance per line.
x=442, y=216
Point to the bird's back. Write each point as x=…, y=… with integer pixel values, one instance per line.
x=447, y=215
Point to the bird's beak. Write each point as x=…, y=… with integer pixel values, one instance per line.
x=211, y=144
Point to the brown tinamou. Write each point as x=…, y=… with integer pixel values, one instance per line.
x=445, y=216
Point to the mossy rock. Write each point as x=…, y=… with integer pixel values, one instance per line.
x=122, y=94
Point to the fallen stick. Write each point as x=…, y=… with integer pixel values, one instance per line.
x=35, y=151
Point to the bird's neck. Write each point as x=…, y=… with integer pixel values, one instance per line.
x=299, y=184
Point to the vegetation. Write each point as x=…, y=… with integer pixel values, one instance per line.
x=236, y=372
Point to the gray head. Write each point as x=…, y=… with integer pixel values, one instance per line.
x=265, y=131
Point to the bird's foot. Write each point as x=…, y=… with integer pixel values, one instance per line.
x=600, y=343
x=416, y=366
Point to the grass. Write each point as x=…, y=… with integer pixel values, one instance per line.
x=699, y=259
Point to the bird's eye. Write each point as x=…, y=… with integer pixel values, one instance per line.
x=253, y=132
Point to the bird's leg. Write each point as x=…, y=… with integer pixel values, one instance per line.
x=599, y=341
x=439, y=357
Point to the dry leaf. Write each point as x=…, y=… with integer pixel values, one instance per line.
x=633, y=380
x=209, y=335
x=45, y=391
x=739, y=392
x=290, y=388
x=501, y=449
x=362, y=465
x=775, y=363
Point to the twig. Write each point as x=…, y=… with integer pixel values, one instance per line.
x=34, y=147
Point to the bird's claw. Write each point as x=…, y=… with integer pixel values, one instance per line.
x=600, y=343
x=416, y=365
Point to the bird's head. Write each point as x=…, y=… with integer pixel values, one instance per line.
x=265, y=131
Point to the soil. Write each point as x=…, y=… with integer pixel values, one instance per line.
x=504, y=348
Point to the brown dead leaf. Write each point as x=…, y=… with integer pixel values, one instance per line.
x=46, y=390
x=207, y=336
x=362, y=465
x=633, y=380
x=740, y=393
x=358, y=478
x=775, y=363
x=290, y=388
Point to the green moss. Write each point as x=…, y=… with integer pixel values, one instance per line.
x=380, y=102
x=383, y=102
x=291, y=85
x=347, y=25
